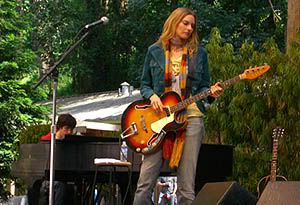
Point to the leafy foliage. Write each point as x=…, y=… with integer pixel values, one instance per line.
x=248, y=111
x=17, y=67
x=32, y=134
x=114, y=53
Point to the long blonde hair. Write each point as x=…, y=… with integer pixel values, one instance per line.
x=171, y=24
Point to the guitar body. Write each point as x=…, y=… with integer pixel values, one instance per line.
x=265, y=180
x=144, y=129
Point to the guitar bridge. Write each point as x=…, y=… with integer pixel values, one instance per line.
x=133, y=131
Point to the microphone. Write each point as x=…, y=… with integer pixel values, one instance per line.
x=103, y=20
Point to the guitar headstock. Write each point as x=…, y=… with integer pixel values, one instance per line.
x=277, y=132
x=253, y=73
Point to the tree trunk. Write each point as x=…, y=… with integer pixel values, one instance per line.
x=293, y=23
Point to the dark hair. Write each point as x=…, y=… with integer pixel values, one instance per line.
x=66, y=120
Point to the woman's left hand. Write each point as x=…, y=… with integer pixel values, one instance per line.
x=216, y=90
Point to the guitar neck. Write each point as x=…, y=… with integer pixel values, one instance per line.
x=274, y=160
x=183, y=104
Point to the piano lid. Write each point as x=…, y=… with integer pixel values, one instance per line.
x=98, y=126
x=88, y=128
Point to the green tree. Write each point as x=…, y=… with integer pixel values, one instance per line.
x=17, y=67
x=114, y=53
x=248, y=111
x=56, y=24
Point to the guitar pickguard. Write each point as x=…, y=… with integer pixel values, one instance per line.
x=160, y=124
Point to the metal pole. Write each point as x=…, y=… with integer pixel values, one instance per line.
x=53, y=139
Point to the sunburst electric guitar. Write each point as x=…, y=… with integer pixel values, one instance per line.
x=272, y=177
x=143, y=129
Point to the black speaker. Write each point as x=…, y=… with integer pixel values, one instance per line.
x=224, y=193
x=280, y=192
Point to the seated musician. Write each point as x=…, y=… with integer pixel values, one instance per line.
x=64, y=126
x=39, y=193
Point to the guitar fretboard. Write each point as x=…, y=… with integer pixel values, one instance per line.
x=274, y=160
x=277, y=133
x=183, y=104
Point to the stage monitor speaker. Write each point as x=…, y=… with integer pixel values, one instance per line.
x=224, y=193
x=281, y=193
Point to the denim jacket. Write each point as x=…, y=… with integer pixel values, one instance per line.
x=153, y=76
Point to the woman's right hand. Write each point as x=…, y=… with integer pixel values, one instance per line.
x=156, y=103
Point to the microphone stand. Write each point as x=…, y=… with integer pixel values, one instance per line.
x=54, y=73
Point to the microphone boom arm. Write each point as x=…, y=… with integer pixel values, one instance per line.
x=57, y=63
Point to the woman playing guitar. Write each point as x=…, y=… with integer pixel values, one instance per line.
x=176, y=62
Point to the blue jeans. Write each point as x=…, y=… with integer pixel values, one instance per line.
x=186, y=171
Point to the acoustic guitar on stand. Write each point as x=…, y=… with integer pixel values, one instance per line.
x=277, y=134
x=143, y=129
